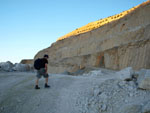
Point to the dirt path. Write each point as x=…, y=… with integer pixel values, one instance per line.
x=17, y=93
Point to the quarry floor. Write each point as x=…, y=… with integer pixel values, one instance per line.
x=17, y=93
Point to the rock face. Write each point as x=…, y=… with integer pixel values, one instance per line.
x=115, y=45
x=27, y=61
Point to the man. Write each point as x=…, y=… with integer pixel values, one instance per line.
x=43, y=72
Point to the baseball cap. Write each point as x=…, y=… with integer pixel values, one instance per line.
x=46, y=56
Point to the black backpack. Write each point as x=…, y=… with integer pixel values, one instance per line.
x=37, y=64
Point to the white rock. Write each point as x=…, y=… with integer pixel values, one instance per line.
x=125, y=74
x=126, y=101
x=103, y=97
x=6, y=66
x=146, y=108
x=122, y=84
x=21, y=67
x=96, y=73
x=103, y=107
x=131, y=109
x=96, y=92
x=131, y=94
x=144, y=79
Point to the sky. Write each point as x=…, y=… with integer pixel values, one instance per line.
x=28, y=26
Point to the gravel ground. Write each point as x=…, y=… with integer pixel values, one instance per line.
x=95, y=92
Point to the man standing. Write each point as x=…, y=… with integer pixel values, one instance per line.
x=43, y=72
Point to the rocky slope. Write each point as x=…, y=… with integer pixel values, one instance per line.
x=115, y=45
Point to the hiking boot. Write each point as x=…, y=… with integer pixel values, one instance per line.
x=47, y=86
x=37, y=87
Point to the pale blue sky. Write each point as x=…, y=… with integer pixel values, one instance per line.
x=27, y=26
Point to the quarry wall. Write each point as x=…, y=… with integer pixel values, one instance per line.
x=115, y=45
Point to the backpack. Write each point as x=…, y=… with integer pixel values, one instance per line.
x=37, y=64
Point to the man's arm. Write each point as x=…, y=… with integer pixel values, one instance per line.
x=46, y=67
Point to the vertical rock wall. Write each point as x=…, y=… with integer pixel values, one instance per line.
x=116, y=45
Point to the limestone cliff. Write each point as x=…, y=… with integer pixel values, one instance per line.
x=26, y=61
x=115, y=45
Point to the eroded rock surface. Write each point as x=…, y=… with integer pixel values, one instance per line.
x=115, y=45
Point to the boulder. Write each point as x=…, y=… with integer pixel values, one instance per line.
x=22, y=67
x=125, y=74
x=144, y=79
x=6, y=66
x=131, y=108
x=146, y=108
x=95, y=73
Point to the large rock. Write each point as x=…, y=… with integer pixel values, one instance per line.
x=131, y=108
x=115, y=45
x=125, y=74
x=22, y=67
x=6, y=66
x=146, y=107
x=136, y=108
x=144, y=79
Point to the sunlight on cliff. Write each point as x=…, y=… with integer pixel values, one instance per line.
x=101, y=22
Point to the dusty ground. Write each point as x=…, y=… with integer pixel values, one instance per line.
x=68, y=94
